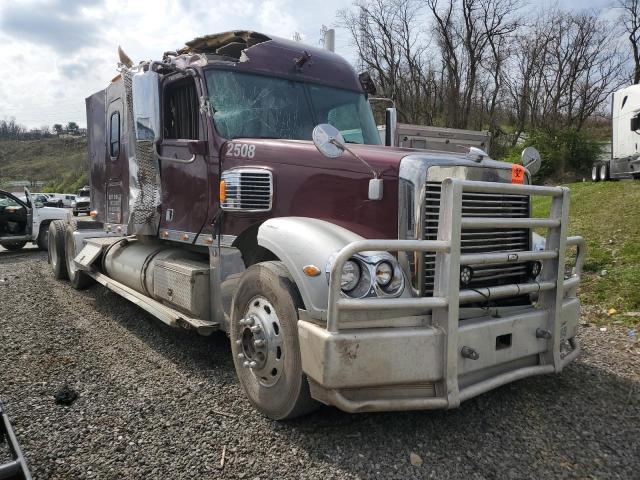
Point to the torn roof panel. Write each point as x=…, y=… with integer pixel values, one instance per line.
x=229, y=44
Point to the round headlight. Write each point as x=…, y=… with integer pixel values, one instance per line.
x=384, y=273
x=350, y=276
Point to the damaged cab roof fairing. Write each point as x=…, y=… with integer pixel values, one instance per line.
x=255, y=52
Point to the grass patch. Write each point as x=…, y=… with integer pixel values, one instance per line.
x=607, y=216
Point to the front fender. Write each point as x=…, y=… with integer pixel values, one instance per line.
x=301, y=241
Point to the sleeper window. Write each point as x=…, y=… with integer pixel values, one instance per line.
x=181, y=110
x=114, y=135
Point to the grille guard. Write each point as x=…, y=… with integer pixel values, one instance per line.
x=17, y=468
x=552, y=287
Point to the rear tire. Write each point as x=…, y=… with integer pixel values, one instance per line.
x=75, y=214
x=43, y=237
x=13, y=246
x=603, y=172
x=57, y=254
x=275, y=384
x=595, y=173
x=78, y=279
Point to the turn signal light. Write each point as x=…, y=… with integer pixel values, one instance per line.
x=311, y=270
x=223, y=191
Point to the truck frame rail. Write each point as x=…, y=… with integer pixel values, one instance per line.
x=16, y=469
x=552, y=288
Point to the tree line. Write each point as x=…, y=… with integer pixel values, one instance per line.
x=11, y=130
x=496, y=64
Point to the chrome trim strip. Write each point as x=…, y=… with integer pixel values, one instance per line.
x=205, y=240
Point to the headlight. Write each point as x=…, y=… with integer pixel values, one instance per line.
x=73, y=203
x=350, y=276
x=384, y=273
x=373, y=275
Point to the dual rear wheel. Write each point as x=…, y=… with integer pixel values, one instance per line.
x=62, y=251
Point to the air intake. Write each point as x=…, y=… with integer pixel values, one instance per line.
x=247, y=190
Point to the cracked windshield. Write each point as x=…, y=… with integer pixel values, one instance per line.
x=256, y=106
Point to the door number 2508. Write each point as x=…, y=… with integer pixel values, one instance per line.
x=241, y=150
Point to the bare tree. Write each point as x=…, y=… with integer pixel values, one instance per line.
x=630, y=18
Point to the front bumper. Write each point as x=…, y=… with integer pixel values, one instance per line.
x=417, y=354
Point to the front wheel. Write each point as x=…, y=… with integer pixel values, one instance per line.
x=43, y=237
x=264, y=342
x=13, y=246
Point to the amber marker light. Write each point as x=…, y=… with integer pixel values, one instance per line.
x=311, y=270
x=223, y=191
x=164, y=234
x=93, y=213
x=184, y=237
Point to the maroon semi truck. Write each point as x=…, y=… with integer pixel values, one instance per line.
x=239, y=184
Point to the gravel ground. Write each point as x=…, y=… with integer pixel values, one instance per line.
x=161, y=403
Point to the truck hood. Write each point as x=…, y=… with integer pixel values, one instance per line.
x=307, y=184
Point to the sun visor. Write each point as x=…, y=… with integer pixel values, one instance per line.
x=146, y=105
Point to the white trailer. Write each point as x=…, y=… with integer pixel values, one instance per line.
x=625, y=155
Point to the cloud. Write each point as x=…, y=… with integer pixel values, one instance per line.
x=55, y=24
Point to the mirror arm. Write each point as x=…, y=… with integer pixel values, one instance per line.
x=344, y=147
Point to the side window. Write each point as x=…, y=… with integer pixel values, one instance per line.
x=180, y=110
x=114, y=135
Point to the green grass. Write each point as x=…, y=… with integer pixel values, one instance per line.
x=607, y=215
x=59, y=162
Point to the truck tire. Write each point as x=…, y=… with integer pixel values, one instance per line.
x=13, y=246
x=603, y=172
x=43, y=236
x=595, y=172
x=78, y=279
x=264, y=342
x=75, y=214
x=57, y=254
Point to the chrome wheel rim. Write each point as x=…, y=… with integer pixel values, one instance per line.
x=594, y=173
x=603, y=172
x=259, y=341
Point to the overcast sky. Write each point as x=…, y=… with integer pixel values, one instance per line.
x=57, y=52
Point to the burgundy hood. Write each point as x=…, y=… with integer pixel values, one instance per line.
x=307, y=184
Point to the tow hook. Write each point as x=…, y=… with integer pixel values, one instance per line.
x=470, y=353
x=542, y=333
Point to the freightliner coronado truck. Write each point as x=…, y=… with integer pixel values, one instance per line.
x=345, y=272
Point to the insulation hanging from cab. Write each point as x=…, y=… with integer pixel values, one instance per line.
x=144, y=173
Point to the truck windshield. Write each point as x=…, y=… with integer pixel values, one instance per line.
x=256, y=106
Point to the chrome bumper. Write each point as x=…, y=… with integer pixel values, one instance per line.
x=421, y=365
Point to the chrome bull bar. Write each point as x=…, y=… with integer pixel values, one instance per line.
x=447, y=297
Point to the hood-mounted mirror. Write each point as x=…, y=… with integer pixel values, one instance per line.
x=531, y=160
x=330, y=143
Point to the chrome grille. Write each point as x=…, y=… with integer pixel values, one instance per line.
x=248, y=189
x=480, y=241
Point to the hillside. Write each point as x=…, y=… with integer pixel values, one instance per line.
x=606, y=215
x=60, y=162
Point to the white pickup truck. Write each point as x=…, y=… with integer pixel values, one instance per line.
x=25, y=221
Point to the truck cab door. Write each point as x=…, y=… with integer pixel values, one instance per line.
x=184, y=163
x=33, y=218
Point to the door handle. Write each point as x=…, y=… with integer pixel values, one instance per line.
x=169, y=159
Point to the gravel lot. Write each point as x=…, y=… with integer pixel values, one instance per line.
x=161, y=403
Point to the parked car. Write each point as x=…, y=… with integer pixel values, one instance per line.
x=61, y=199
x=82, y=202
x=27, y=220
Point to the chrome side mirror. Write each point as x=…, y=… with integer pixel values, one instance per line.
x=328, y=140
x=330, y=143
x=531, y=160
